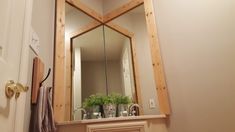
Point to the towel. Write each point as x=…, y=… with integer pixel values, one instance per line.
x=42, y=119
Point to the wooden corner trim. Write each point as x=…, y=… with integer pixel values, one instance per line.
x=159, y=74
x=121, y=10
x=87, y=10
x=84, y=29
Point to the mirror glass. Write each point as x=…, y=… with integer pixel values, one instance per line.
x=89, y=73
x=120, y=77
x=105, y=60
x=101, y=61
x=134, y=21
x=87, y=59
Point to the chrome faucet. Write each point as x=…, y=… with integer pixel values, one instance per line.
x=83, y=110
x=133, y=111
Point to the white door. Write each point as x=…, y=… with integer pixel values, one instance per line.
x=126, y=74
x=15, y=20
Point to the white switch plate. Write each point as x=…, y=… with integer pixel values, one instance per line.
x=152, y=104
x=34, y=44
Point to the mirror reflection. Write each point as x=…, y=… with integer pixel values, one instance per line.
x=110, y=59
x=120, y=78
x=88, y=75
x=134, y=21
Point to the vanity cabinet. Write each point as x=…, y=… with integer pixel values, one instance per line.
x=139, y=126
x=146, y=123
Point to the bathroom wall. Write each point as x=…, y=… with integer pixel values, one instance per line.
x=96, y=5
x=197, y=40
x=43, y=24
x=75, y=19
x=109, y=5
x=114, y=76
x=94, y=80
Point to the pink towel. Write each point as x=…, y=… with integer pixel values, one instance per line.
x=42, y=119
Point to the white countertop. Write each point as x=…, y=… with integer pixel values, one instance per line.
x=142, y=117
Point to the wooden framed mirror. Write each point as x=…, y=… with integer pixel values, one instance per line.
x=63, y=49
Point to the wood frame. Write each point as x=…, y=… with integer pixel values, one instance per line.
x=59, y=58
x=84, y=29
x=121, y=10
x=159, y=75
x=87, y=10
x=59, y=63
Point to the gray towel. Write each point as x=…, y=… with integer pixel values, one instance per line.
x=42, y=119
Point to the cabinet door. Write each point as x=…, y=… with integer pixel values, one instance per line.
x=140, y=126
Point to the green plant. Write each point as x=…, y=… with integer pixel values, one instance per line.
x=97, y=99
x=122, y=99
x=110, y=99
x=93, y=100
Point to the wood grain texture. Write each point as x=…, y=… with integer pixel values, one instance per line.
x=156, y=58
x=134, y=59
x=59, y=60
x=38, y=72
x=120, y=29
x=121, y=10
x=68, y=79
x=79, y=5
x=61, y=84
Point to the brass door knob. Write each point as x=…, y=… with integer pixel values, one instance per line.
x=13, y=88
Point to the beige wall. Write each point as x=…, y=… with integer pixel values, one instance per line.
x=114, y=77
x=96, y=5
x=94, y=78
x=109, y=5
x=75, y=19
x=197, y=40
x=43, y=24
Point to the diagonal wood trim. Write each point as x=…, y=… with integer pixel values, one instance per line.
x=119, y=29
x=79, y=5
x=85, y=29
x=134, y=56
x=156, y=58
x=121, y=10
x=59, y=61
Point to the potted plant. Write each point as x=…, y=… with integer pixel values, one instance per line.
x=109, y=106
x=123, y=104
x=93, y=105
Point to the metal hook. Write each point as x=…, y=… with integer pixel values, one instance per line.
x=49, y=71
